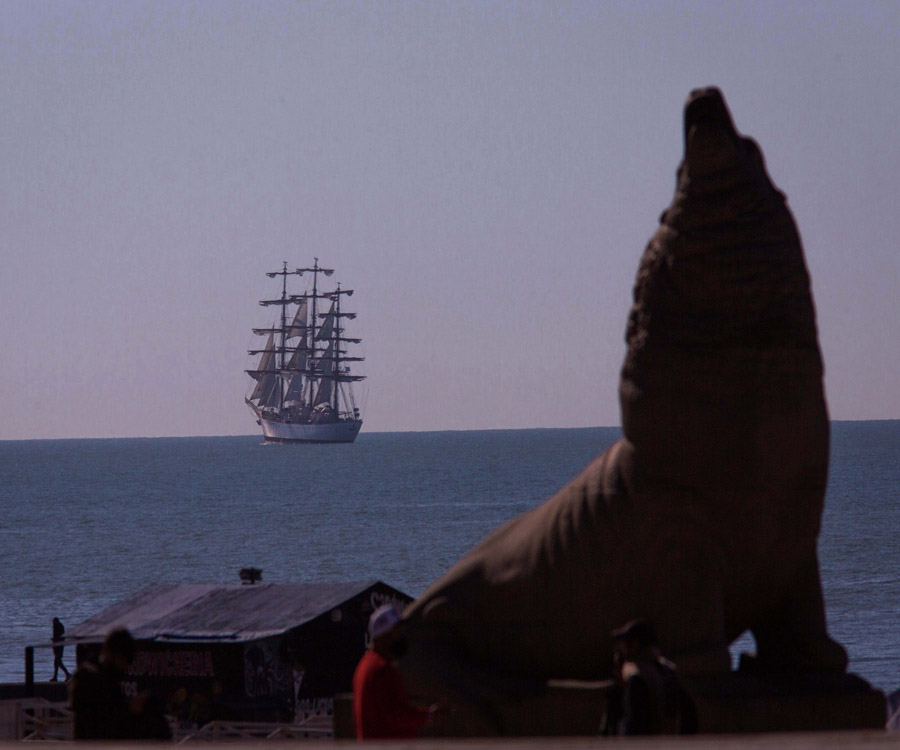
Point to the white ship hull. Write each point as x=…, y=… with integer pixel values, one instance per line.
x=288, y=432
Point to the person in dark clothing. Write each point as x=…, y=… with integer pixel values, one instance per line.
x=102, y=710
x=648, y=698
x=58, y=632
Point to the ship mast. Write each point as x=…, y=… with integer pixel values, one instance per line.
x=336, y=348
x=284, y=275
x=338, y=355
x=281, y=331
x=313, y=364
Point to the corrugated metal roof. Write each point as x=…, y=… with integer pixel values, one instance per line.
x=220, y=612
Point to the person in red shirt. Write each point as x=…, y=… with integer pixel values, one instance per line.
x=381, y=707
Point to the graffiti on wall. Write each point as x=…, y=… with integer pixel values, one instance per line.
x=309, y=708
x=265, y=673
x=176, y=663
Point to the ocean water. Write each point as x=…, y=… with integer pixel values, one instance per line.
x=84, y=523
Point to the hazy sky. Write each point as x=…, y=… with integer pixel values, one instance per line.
x=485, y=175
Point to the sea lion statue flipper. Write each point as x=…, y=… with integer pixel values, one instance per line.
x=793, y=638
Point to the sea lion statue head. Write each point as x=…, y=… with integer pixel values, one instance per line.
x=722, y=344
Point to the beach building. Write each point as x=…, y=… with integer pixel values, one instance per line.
x=275, y=652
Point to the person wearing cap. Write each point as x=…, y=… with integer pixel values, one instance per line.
x=648, y=698
x=381, y=707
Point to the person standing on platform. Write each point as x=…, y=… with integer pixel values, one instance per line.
x=58, y=632
x=381, y=708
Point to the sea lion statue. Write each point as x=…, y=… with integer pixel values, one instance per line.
x=703, y=518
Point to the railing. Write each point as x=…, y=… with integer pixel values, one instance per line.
x=42, y=720
x=220, y=731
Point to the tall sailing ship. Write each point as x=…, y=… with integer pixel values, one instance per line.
x=303, y=381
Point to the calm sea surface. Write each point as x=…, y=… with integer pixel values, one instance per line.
x=84, y=523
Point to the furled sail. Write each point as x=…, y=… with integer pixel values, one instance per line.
x=265, y=377
x=295, y=382
x=323, y=395
x=298, y=326
x=327, y=328
x=271, y=396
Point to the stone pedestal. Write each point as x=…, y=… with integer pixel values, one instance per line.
x=732, y=703
x=738, y=702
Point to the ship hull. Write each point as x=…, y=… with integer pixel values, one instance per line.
x=291, y=432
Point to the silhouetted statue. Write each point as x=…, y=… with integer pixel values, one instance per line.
x=703, y=518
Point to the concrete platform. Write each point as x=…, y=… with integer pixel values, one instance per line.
x=866, y=740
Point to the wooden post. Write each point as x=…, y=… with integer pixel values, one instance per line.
x=29, y=671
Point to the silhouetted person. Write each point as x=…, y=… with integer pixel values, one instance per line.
x=102, y=710
x=58, y=632
x=381, y=708
x=648, y=698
